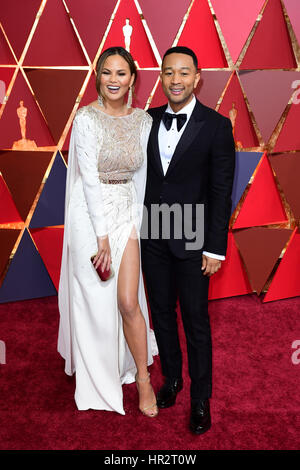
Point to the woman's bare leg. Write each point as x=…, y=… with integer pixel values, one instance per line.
x=134, y=325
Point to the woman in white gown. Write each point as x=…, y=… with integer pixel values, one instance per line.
x=104, y=333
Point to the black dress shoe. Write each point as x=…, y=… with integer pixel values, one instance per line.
x=200, y=421
x=166, y=396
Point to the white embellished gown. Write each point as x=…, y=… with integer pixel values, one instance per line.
x=91, y=338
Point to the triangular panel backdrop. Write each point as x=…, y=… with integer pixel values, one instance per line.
x=249, y=55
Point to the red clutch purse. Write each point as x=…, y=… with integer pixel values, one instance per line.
x=104, y=275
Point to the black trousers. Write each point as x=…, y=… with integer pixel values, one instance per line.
x=168, y=278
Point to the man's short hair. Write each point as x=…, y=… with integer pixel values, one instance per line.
x=182, y=50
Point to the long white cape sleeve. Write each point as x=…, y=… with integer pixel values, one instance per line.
x=82, y=163
x=85, y=139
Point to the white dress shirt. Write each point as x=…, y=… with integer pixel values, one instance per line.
x=168, y=140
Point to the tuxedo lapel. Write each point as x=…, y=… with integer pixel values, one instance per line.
x=154, y=141
x=191, y=131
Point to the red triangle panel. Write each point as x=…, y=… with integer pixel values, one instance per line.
x=159, y=98
x=153, y=13
x=54, y=41
x=236, y=22
x=292, y=8
x=200, y=34
x=289, y=137
x=24, y=183
x=49, y=242
x=91, y=21
x=144, y=85
x=8, y=239
x=90, y=92
x=243, y=130
x=231, y=279
x=260, y=248
x=17, y=19
x=260, y=87
x=37, y=132
x=8, y=210
x=140, y=47
x=6, y=56
x=52, y=87
x=211, y=87
x=6, y=74
x=263, y=205
x=287, y=170
x=286, y=281
x=270, y=47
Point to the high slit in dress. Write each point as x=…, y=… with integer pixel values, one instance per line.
x=91, y=340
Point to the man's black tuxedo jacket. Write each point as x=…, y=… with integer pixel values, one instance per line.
x=201, y=171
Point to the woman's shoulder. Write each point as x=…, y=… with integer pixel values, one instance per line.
x=85, y=110
x=143, y=115
x=86, y=114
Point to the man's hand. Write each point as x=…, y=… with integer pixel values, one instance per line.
x=210, y=265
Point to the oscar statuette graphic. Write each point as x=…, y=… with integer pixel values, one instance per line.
x=127, y=31
x=23, y=144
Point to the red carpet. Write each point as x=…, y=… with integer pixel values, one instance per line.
x=255, y=401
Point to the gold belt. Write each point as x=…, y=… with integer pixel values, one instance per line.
x=114, y=181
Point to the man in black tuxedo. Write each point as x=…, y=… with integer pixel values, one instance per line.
x=191, y=159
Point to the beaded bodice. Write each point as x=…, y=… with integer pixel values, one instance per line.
x=120, y=152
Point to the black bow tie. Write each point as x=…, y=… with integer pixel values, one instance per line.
x=168, y=118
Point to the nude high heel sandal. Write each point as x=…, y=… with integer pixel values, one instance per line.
x=146, y=408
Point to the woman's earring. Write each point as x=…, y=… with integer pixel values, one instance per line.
x=100, y=100
x=129, y=100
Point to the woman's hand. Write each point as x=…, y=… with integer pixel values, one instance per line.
x=103, y=257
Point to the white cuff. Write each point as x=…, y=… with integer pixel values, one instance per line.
x=213, y=255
